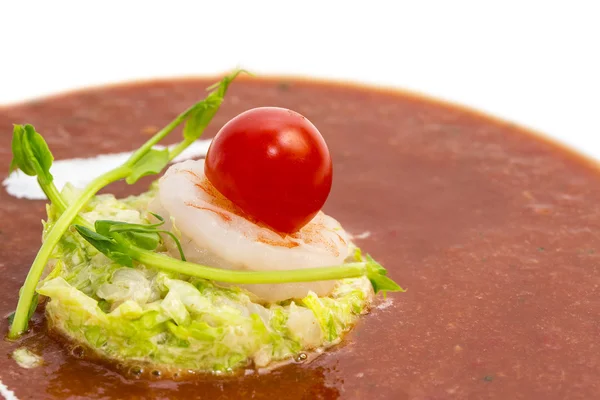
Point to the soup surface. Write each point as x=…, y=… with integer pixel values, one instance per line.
x=493, y=231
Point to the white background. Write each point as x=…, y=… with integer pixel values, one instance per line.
x=533, y=62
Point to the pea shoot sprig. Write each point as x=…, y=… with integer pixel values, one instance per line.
x=108, y=238
x=128, y=244
x=32, y=156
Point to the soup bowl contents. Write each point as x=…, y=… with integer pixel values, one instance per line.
x=221, y=265
x=492, y=228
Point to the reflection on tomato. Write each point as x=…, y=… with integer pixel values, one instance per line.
x=273, y=164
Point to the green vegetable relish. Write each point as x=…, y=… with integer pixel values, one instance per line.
x=144, y=317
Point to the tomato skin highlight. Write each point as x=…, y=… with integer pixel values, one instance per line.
x=273, y=164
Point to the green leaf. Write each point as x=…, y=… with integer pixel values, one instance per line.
x=119, y=226
x=17, y=151
x=120, y=258
x=202, y=113
x=150, y=164
x=377, y=276
x=105, y=226
x=105, y=245
x=145, y=240
x=200, y=117
x=31, y=153
x=145, y=236
x=141, y=236
x=96, y=237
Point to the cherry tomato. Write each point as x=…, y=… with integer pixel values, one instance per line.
x=273, y=164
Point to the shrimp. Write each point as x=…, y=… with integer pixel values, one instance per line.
x=215, y=232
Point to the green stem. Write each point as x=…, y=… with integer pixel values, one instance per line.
x=65, y=220
x=53, y=194
x=166, y=263
x=160, y=135
x=179, y=147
